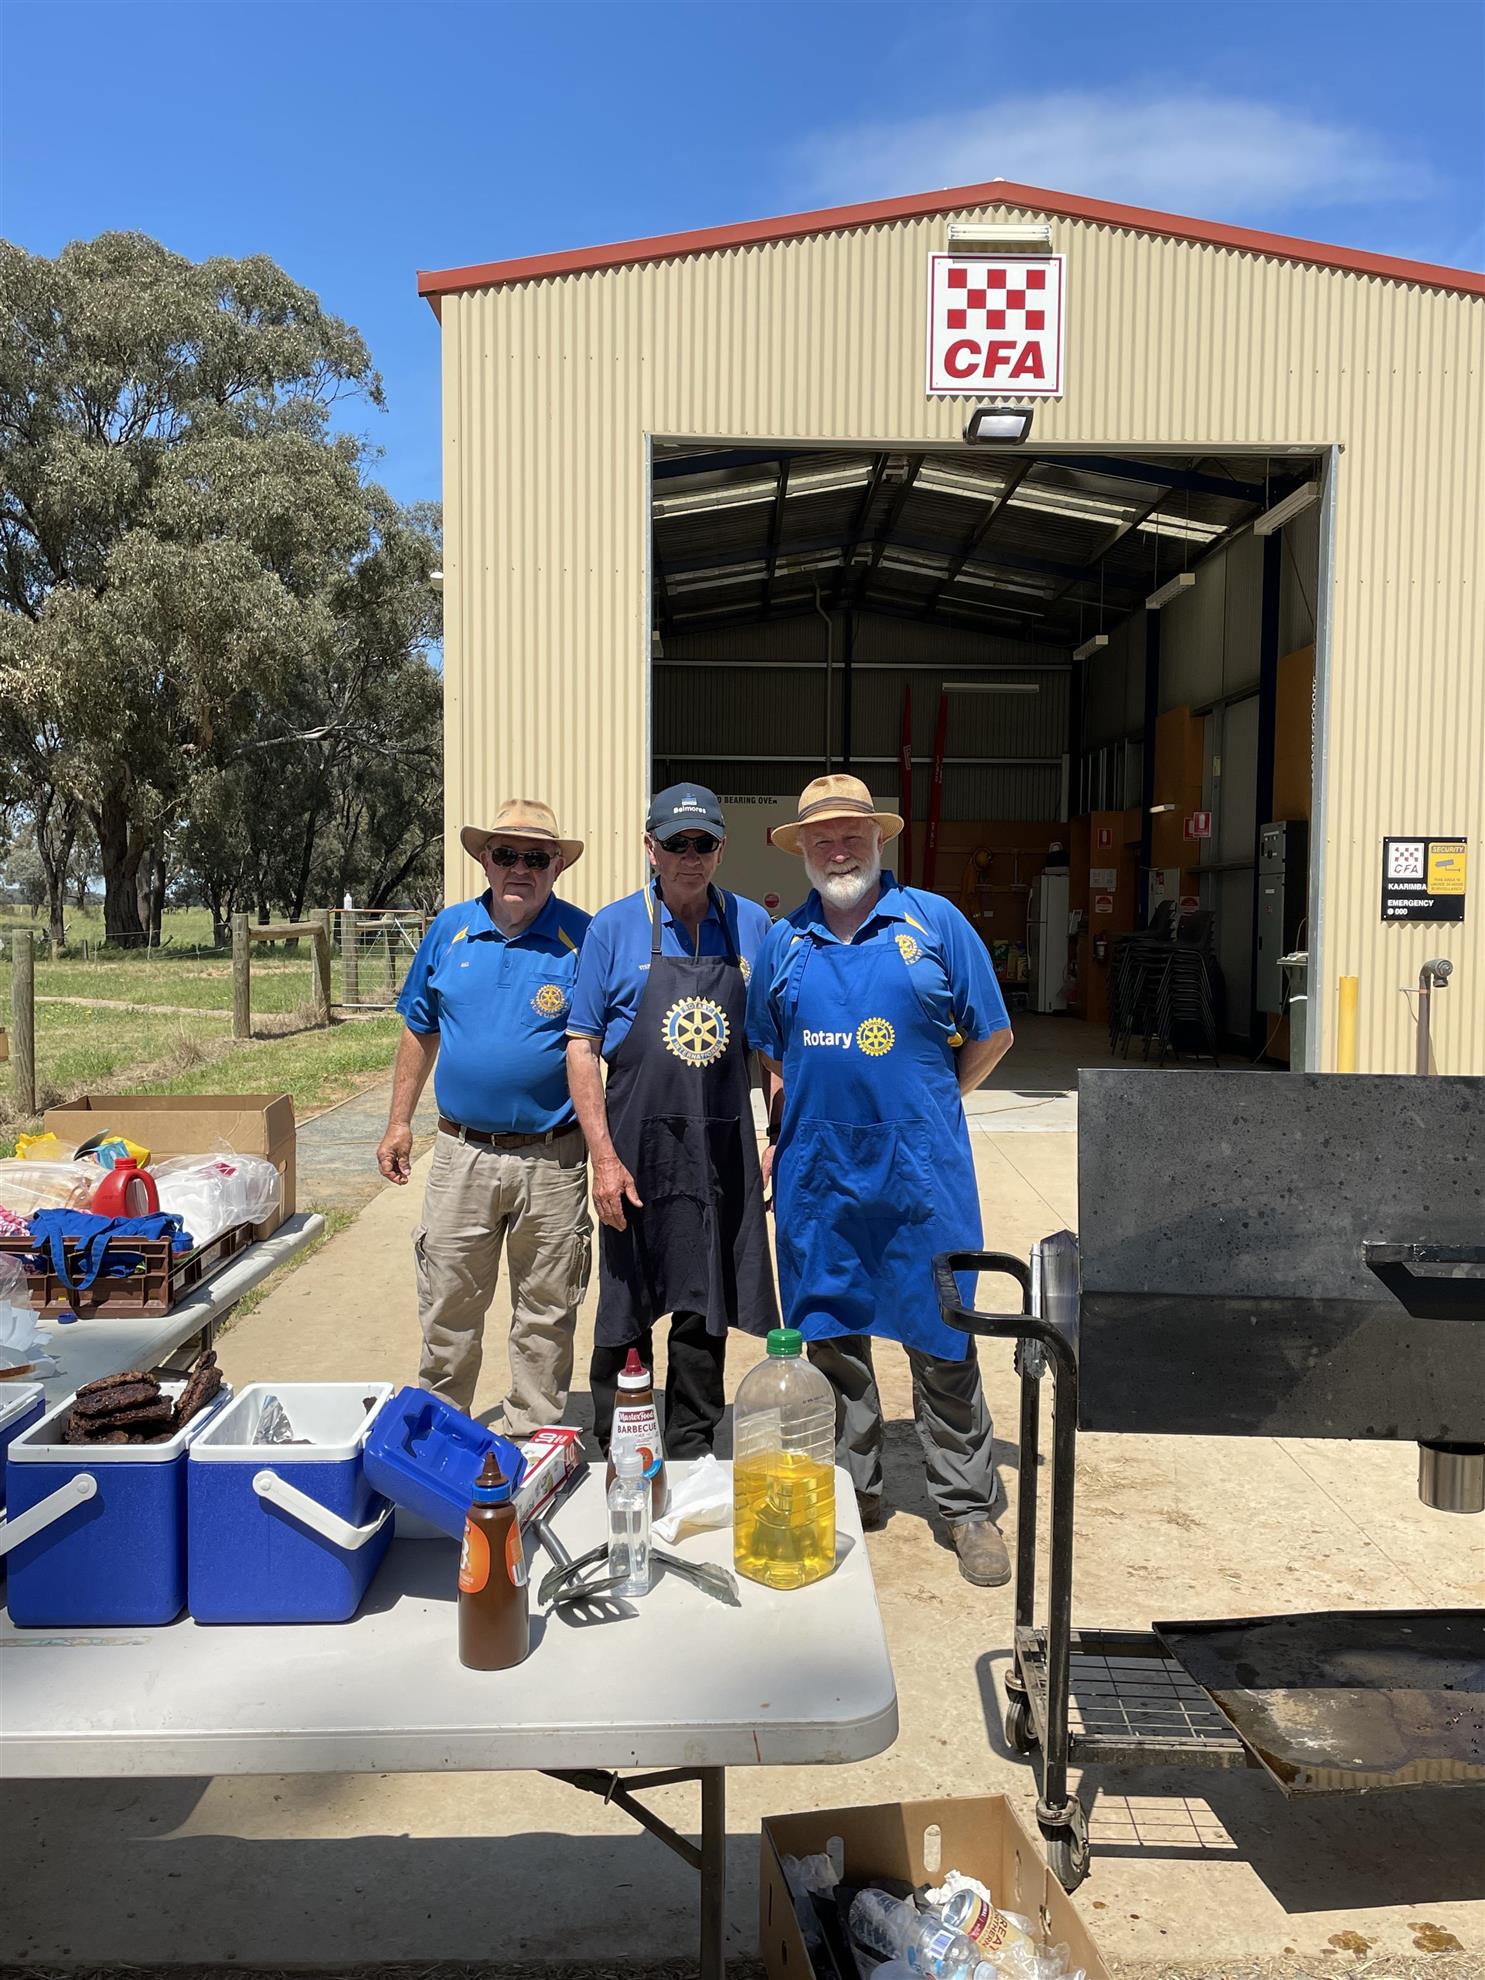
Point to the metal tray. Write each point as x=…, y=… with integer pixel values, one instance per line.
x=1344, y=1700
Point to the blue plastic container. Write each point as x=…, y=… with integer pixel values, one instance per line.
x=95, y=1534
x=286, y=1532
x=426, y=1455
x=21, y=1405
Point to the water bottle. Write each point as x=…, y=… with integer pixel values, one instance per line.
x=924, y=1944
x=998, y=1934
x=783, y=1472
x=629, y=1524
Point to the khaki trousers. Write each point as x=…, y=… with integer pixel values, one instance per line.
x=534, y=1201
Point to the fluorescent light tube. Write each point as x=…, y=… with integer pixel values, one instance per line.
x=1030, y=237
x=992, y=687
x=1169, y=591
x=1285, y=511
x=1090, y=646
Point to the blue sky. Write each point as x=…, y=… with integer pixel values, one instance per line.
x=356, y=144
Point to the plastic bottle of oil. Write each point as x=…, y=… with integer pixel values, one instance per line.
x=783, y=1473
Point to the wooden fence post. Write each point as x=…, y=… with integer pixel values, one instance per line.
x=242, y=962
x=324, y=918
x=23, y=1020
x=350, y=961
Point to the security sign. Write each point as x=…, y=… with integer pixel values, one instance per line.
x=1424, y=879
x=995, y=325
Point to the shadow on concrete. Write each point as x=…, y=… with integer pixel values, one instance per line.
x=593, y=1903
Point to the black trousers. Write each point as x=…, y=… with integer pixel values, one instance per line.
x=694, y=1391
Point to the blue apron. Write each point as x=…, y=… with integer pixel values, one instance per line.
x=873, y=1173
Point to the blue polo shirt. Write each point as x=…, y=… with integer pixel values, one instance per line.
x=499, y=1006
x=616, y=958
x=949, y=965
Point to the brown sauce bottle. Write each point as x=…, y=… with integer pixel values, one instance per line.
x=494, y=1612
x=637, y=1424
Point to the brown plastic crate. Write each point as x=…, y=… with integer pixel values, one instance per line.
x=162, y=1280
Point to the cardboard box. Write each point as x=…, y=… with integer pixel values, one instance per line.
x=190, y=1124
x=918, y=1841
x=553, y=1454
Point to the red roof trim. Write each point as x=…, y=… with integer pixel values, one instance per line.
x=999, y=192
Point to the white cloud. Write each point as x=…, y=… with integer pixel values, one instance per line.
x=1196, y=153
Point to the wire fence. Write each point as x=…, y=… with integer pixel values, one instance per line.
x=374, y=947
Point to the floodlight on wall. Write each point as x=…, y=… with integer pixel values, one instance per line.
x=1030, y=237
x=1090, y=646
x=1169, y=591
x=1009, y=425
x=1292, y=505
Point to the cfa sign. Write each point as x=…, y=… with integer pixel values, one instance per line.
x=995, y=325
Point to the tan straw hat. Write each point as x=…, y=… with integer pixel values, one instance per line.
x=835, y=796
x=522, y=818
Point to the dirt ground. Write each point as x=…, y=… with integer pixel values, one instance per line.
x=1194, y=1875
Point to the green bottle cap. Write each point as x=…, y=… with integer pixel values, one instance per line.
x=785, y=1341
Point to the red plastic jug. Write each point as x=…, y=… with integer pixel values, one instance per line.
x=126, y=1191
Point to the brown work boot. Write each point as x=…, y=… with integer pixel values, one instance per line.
x=982, y=1553
x=873, y=1514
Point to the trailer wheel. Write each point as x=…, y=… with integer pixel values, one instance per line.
x=1020, y=1728
x=1067, y=1854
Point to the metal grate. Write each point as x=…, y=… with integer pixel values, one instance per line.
x=374, y=947
x=1130, y=1703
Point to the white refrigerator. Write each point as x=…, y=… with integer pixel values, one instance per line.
x=1046, y=941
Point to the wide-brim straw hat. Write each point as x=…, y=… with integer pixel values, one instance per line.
x=522, y=818
x=835, y=796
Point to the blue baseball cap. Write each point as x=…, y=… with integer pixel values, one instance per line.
x=684, y=808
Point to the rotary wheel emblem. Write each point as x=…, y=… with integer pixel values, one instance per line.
x=696, y=1031
x=550, y=1000
x=746, y=967
x=908, y=949
x=875, y=1037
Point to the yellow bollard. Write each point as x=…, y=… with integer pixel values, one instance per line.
x=1345, y=1040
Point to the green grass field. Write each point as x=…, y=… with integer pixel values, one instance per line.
x=161, y=1021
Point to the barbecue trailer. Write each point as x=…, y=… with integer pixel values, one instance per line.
x=1258, y=1256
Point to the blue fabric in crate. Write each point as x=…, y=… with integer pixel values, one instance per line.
x=55, y=1229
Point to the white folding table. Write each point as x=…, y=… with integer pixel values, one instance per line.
x=102, y=1344
x=678, y=1686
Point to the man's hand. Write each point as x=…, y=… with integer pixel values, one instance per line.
x=765, y=1162
x=612, y=1186
x=394, y=1153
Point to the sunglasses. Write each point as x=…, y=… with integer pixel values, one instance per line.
x=699, y=842
x=508, y=856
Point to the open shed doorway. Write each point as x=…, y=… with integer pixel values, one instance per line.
x=1103, y=675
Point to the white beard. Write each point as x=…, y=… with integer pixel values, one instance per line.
x=844, y=890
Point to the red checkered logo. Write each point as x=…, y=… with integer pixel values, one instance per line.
x=995, y=325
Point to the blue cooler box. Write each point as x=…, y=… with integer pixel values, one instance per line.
x=286, y=1532
x=20, y=1406
x=95, y=1534
x=426, y=1455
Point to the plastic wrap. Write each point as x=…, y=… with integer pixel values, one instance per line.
x=27, y=1186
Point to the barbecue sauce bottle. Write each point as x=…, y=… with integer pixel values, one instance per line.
x=636, y=1426
x=494, y=1617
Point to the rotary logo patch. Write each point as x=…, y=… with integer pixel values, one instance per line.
x=907, y=948
x=550, y=1000
x=746, y=967
x=875, y=1037
x=696, y=1031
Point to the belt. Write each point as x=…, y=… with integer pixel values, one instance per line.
x=483, y=1140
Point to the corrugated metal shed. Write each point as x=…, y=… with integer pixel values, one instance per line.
x=559, y=379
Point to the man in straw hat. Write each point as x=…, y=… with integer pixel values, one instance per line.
x=879, y=1006
x=485, y=1005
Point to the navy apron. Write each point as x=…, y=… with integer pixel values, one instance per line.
x=873, y=1173
x=680, y=1113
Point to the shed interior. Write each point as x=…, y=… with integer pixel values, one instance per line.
x=812, y=609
